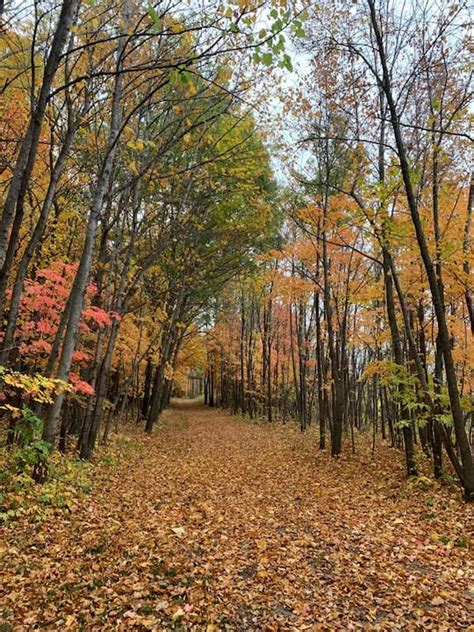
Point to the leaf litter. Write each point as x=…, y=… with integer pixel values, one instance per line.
x=217, y=523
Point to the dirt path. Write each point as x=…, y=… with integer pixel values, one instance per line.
x=216, y=523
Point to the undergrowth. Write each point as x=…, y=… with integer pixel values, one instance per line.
x=69, y=481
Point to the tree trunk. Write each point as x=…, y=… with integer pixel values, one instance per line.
x=29, y=146
x=76, y=297
x=444, y=337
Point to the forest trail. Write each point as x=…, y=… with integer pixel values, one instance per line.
x=217, y=523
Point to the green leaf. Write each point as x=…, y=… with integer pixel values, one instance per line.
x=154, y=16
x=183, y=76
x=277, y=25
x=267, y=59
x=286, y=63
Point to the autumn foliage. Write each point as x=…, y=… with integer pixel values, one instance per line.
x=266, y=207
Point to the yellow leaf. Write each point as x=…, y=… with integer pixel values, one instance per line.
x=180, y=531
x=179, y=614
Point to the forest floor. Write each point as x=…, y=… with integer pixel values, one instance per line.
x=218, y=523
